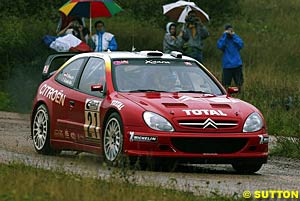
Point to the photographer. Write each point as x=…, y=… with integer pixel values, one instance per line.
x=193, y=34
x=231, y=44
x=76, y=28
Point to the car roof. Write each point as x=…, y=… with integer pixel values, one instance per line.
x=136, y=55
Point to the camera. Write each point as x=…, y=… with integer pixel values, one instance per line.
x=191, y=20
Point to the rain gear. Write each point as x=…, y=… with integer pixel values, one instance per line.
x=194, y=42
x=172, y=43
x=231, y=47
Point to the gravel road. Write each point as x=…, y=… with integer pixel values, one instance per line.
x=278, y=174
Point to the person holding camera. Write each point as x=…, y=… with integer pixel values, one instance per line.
x=231, y=44
x=194, y=33
x=75, y=28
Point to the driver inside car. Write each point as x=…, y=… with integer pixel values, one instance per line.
x=169, y=82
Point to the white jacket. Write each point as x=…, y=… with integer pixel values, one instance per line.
x=106, y=38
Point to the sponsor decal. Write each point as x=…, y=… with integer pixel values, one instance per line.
x=121, y=62
x=53, y=94
x=46, y=68
x=263, y=140
x=92, y=118
x=187, y=98
x=68, y=76
x=67, y=134
x=156, y=62
x=73, y=136
x=58, y=133
x=140, y=138
x=117, y=104
x=187, y=63
x=92, y=105
x=223, y=100
x=203, y=112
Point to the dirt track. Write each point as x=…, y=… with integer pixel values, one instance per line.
x=278, y=174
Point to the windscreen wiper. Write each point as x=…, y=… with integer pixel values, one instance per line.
x=193, y=91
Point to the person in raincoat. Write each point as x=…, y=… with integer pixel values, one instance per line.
x=103, y=40
x=171, y=41
x=231, y=44
x=194, y=32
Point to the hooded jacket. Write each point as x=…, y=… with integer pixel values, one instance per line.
x=195, y=43
x=170, y=43
x=231, y=47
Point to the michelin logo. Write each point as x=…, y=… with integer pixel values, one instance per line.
x=139, y=138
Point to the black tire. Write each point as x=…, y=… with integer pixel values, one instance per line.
x=113, y=139
x=41, y=131
x=246, y=168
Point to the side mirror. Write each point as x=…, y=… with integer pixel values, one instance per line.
x=97, y=87
x=232, y=90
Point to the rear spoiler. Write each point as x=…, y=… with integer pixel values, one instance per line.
x=54, y=62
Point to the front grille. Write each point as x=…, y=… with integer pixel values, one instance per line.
x=209, y=145
x=207, y=123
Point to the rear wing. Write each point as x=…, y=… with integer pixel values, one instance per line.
x=54, y=62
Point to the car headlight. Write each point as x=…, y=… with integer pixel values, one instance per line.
x=157, y=122
x=253, y=123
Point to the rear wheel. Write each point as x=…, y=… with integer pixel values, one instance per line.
x=246, y=168
x=41, y=131
x=113, y=140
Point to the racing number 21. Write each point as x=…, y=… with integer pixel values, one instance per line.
x=91, y=126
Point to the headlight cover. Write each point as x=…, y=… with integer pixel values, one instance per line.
x=157, y=122
x=253, y=123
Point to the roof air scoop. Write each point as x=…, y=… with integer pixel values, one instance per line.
x=152, y=53
x=176, y=54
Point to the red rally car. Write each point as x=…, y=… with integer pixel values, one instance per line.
x=145, y=104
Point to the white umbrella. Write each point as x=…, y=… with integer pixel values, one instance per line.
x=180, y=9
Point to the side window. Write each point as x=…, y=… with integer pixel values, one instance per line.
x=68, y=75
x=93, y=73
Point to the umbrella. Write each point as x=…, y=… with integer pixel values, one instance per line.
x=90, y=8
x=180, y=9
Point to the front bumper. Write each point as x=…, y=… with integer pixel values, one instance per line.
x=197, y=147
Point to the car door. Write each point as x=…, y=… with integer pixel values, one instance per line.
x=66, y=116
x=85, y=112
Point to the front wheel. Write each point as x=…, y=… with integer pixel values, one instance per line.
x=246, y=168
x=113, y=140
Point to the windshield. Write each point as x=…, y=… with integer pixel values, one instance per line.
x=138, y=75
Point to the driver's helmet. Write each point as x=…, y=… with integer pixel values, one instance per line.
x=170, y=81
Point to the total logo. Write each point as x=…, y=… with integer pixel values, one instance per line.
x=204, y=112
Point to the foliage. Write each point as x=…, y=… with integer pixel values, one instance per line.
x=288, y=147
x=219, y=10
x=4, y=101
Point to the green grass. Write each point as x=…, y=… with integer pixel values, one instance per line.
x=19, y=182
x=287, y=147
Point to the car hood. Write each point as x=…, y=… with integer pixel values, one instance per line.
x=191, y=105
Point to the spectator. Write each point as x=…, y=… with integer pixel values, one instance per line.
x=194, y=33
x=171, y=41
x=76, y=28
x=103, y=40
x=231, y=44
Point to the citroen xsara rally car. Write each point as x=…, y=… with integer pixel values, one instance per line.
x=145, y=104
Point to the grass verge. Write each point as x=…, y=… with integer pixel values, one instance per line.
x=287, y=147
x=20, y=182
